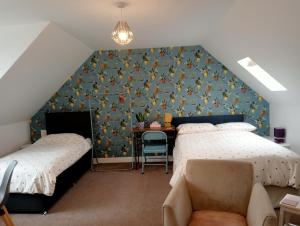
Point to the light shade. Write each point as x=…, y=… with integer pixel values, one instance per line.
x=279, y=132
x=122, y=33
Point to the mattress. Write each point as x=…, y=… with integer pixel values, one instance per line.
x=273, y=164
x=40, y=163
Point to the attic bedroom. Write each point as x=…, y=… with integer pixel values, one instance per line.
x=155, y=113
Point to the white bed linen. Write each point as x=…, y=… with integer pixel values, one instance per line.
x=40, y=163
x=273, y=164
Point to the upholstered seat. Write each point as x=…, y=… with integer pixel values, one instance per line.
x=216, y=218
x=152, y=149
x=218, y=193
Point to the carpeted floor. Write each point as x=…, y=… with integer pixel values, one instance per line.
x=114, y=198
x=109, y=198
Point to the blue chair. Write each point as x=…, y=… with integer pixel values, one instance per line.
x=154, y=142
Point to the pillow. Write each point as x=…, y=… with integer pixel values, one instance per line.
x=61, y=138
x=195, y=128
x=241, y=126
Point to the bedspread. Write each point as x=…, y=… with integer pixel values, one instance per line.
x=273, y=164
x=40, y=163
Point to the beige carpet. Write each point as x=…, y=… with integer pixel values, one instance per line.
x=111, y=198
x=108, y=199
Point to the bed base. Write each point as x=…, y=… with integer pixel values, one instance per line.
x=39, y=203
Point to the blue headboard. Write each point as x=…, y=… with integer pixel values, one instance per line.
x=214, y=119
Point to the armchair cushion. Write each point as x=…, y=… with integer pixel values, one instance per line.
x=216, y=218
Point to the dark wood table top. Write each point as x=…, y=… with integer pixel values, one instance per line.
x=164, y=129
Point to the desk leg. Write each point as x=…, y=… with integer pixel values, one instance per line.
x=281, y=217
x=136, y=151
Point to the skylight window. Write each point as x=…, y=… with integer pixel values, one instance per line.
x=261, y=75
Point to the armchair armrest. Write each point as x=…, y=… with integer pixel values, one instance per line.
x=177, y=208
x=260, y=210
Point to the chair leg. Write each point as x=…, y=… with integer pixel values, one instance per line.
x=143, y=162
x=6, y=217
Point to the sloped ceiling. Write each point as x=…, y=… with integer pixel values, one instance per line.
x=267, y=31
x=11, y=48
x=44, y=66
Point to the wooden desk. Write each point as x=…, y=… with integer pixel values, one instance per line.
x=137, y=141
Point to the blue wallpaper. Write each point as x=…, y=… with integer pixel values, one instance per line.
x=185, y=81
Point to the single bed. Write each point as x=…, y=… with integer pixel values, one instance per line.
x=273, y=164
x=49, y=167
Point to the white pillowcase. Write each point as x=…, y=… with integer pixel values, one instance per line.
x=241, y=126
x=195, y=128
x=61, y=138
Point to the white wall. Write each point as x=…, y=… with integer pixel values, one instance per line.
x=39, y=72
x=13, y=136
x=288, y=116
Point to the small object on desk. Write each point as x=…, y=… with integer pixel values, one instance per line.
x=141, y=125
x=147, y=124
x=288, y=205
x=155, y=125
x=140, y=117
x=167, y=119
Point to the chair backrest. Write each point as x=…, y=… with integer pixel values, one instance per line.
x=154, y=136
x=5, y=185
x=220, y=185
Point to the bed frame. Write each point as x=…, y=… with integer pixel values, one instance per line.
x=214, y=119
x=60, y=122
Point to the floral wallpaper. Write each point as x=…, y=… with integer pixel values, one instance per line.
x=116, y=84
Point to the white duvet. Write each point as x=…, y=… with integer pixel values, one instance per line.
x=273, y=164
x=40, y=163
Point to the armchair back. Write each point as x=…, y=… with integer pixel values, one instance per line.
x=219, y=185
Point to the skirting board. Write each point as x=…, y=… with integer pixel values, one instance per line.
x=129, y=159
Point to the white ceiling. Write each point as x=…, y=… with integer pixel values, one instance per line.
x=155, y=23
x=268, y=31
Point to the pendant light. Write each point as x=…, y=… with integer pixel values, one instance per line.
x=122, y=34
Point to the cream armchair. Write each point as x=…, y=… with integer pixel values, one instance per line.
x=218, y=193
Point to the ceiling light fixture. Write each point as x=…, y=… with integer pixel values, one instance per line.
x=261, y=75
x=122, y=34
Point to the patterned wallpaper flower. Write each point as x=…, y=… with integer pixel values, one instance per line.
x=185, y=81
